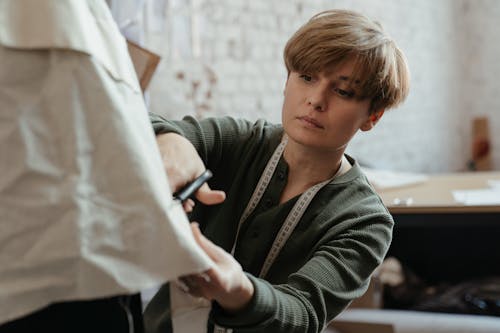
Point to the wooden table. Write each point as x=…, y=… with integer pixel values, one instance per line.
x=441, y=239
x=435, y=194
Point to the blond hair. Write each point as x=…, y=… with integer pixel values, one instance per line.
x=332, y=37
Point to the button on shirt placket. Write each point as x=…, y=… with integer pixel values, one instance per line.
x=251, y=230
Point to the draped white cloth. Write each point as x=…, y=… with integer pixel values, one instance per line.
x=85, y=206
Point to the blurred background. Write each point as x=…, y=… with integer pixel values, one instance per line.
x=224, y=57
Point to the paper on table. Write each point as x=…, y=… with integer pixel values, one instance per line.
x=495, y=184
x=384, y=179
x=85, y=203
x=478, y=197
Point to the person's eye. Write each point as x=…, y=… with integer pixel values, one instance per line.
x=344, y=93
x=305, y=77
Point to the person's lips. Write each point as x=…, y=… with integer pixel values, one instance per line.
x=310, y=122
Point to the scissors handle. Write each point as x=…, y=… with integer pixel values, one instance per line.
x=188, y=190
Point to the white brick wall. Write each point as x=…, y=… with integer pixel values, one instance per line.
x=452, y=47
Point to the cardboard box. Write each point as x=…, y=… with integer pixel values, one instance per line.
x=372, y=298
x=145, y=63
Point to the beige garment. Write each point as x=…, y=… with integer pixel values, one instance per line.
x=85, y=205
x=189, y=314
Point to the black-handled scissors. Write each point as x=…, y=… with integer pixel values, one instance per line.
x=188, y=190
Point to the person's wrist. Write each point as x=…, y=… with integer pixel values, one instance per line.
x=240, y=298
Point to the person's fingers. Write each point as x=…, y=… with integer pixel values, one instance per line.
x=213, y=251
x=188, y=205
x=175, y=181
x=187, y=208
x=193, y=287
x=208, y=196
x=204, y=285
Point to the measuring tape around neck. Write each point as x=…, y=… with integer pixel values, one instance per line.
x=293, y=217
x=291, y=220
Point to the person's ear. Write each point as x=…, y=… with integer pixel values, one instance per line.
x=372, y=120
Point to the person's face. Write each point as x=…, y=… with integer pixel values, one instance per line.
x=321, y=110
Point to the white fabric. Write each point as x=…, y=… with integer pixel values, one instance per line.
x=128, y=15
x=85, y=205
x=189, y=314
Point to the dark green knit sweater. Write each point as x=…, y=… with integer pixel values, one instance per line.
x=327, y=261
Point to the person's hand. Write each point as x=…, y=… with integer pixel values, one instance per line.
x=183, y=164
x=225, y=282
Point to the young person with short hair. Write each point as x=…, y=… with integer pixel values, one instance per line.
x=305, y=227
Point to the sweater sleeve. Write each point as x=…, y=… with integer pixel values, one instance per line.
x=215, y=139
x=338, y=272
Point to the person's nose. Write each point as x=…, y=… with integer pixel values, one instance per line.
x=317, y=98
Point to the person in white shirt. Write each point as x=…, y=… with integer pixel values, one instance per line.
x=87, y=216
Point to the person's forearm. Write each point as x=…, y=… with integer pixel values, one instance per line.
x=239, y=298
x=162, y=125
